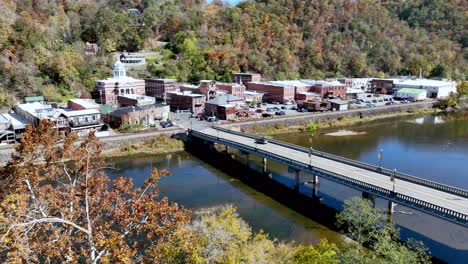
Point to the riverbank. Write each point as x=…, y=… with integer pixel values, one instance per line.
x=157, y=145
x=340, y=122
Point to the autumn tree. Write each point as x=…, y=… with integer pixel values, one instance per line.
x=57, y=205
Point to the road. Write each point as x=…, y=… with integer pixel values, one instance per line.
x=446, y=200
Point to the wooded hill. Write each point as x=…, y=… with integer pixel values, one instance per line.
x=42, y=41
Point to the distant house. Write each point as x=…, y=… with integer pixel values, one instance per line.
x=91, y=48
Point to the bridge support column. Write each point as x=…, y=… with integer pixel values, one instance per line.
x=264, y=162
x=391, y=207
x=315, y=180
x=369, y=197
x=296, y=180
x=227, y=149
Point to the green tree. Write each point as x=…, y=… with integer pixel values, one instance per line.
x=323, y=253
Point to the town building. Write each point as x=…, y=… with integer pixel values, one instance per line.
x=159, y=87
x=356, y=83
x=232, y=88
x=134, y=100
x=327, y=89
x=82, y=104
x=273, y=92
x=147, y=115
x=195, y=89
x=6, y=134
x=307, y=96
x=223, y=107
x=132, y=59
x=186, y=100
x=107, y=90
x=339, y=105
x=16, y=127
x=435, y=88
x=243, y=78
x=316, y=105
x=411, y=94
x=209, y=89
x=253, y=96
x=80, y=121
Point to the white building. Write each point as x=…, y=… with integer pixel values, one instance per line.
x=435, y=88
x=411, y=94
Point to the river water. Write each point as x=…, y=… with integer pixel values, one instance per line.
x=434, y=148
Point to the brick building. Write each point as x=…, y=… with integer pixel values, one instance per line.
x=385, y=86
x=232, y=88
x=82, y=104
x=134, y=100
x=328, y=89
x=144, y=115
x=223, y=107
x=159, y=87
x=273, y=92
x=243, y=78
x=186, y=100
x=107, y=90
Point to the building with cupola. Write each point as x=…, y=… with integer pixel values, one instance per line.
x=107, y=91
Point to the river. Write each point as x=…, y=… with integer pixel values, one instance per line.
x=434, y=148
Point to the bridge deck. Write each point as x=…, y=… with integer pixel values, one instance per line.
x=446, y=200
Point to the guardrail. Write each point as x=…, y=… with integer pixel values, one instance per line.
x=362, y=165
x=402, y=199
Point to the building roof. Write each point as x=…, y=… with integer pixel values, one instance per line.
x=105, y=109
x=86, y=103
x=40, y=110
x=72, y=113
x=17, y=121
x=272, y=84
x=296, y=83
x=3, y=120
x=124, y=110
x=30, y=99
x=186, y=93
x=423, y=82
x=224, y=100
x=252, y=92
x=411, y=91
x=338, y=101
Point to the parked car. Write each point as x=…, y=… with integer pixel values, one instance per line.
x=385, y=99
x=374, y=101
x=262, y=140
x=276, y=103
x=259, y=110
x=211, y=119
x=267, y=115
x=280, y=113
x=293, y=108
x=404, y=101
x=370, y=105
x=165, y=124
x=361, y=100
x=276, y=108
x=259, y=105
x=269, y=109
x=284, y=107
x=264, y=104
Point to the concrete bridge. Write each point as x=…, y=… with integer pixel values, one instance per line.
x=443, y=201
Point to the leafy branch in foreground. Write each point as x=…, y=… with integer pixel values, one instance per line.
x=58, y=205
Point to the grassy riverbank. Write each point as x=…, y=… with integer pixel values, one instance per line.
x=158, y=145
x=340, y=122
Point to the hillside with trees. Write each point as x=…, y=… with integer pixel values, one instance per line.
x=41, y=42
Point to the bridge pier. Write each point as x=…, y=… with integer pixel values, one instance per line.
x=227, y=149
x=391, y=207
x=296, y=180
x=369, y=197
x=264, y=163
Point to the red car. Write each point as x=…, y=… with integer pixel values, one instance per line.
x=259, y=110
x=200, y=117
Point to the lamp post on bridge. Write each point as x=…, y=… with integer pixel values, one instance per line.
x=310, y=152
x=379, y=157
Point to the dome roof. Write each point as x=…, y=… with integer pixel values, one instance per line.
x=118, y=63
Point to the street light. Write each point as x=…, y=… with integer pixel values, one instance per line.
x=379, y=157
x=393, y=179
x=310, y=152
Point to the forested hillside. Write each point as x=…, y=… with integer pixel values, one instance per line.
x=41, y=41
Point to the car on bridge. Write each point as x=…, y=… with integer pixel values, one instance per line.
x=261, y=140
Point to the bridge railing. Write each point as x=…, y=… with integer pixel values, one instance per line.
x=362, y=165
x=434, y=209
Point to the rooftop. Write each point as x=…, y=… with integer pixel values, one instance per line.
x=30, y=99
x=252, y=92
x=186, y=93
x=128, y=109
x=296, y=83
x=71, y=113
x=411, y=91
x=86, y=103
x=16, y=120
x=422, y=82
x=338, y=101
x=224, y=100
